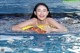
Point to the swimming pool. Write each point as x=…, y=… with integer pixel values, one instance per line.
x=22, y=42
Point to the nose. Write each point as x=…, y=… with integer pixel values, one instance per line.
x=41, y=12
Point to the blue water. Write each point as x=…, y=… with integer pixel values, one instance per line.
x=55, y=42
x=26, y=6
x=36, y=43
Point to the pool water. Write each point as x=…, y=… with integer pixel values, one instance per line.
x=55, y=42
x=38, y=43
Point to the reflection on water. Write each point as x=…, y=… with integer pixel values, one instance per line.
x=64, y=43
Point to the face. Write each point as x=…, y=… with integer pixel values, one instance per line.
x=41, y=12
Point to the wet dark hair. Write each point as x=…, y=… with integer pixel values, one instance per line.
x=34, y=16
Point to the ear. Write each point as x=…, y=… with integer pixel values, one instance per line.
x=34, y=12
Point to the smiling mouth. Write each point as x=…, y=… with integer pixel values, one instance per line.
x=41, y=16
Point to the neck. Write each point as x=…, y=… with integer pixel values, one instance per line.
x=41, y=21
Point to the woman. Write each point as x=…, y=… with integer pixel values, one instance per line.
x=40, y=19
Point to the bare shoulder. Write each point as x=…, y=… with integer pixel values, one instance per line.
x=50, y=19
x=32, y=20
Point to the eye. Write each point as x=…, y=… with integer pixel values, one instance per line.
x=38, y=10
x=44, y=10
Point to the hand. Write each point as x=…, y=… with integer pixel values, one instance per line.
x=47, y=29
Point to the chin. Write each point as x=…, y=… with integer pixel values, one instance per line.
x=41, y=19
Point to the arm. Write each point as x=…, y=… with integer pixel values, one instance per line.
x=19, y=27
x=58, y=27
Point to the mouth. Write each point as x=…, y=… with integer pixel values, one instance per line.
x=42, y=16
